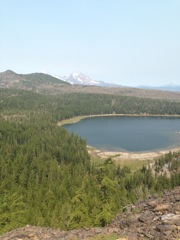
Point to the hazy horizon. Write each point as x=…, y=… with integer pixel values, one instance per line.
x=129, y=43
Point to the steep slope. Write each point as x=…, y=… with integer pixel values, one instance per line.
x=156, y=218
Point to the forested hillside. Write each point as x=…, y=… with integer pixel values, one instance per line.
x=46, y=175
x=32, y=81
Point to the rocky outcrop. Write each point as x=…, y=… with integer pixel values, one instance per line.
x=154, y=219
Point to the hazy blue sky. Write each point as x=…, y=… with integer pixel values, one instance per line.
x=129, y=42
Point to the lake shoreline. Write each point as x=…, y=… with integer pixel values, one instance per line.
x=119, y=155
x=79, y=118
x=122, y=155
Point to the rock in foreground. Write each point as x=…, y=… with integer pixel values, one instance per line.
x=156, y=218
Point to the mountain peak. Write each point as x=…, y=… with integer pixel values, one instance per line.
x=82, y=79
x=9, y=72
x=79, y=78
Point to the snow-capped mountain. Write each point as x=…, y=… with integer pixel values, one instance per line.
x=82, y=79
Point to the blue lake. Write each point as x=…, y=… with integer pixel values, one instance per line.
x=125, y=133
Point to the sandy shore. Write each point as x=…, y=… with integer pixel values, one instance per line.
x=129, y=155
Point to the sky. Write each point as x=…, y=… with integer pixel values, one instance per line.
x=128, y=42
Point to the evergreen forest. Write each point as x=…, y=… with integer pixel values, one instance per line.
x=47, y=177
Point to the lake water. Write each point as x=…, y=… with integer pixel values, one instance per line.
x=133, y=134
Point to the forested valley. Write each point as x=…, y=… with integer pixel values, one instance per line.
x=47, y=177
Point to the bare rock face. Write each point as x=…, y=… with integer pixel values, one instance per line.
x=155, y=219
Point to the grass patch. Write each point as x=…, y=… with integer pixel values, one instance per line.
x=134, y=164
x=70, y=120
x=104, y=237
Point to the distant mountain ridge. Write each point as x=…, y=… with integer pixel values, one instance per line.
x=168, y=87
x=82, y=79
x=54, y=85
